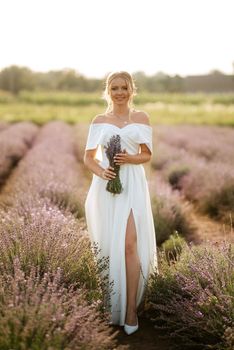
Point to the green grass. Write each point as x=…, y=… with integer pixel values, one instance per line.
x=82, y=98
x=82, y=107
x=41, y=114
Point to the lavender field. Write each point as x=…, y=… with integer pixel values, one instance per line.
x=52, y=290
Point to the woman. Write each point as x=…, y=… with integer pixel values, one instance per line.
x=122, y=224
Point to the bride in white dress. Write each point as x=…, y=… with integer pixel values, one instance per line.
x=122, y=224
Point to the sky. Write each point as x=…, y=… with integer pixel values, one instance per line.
x=94, y=37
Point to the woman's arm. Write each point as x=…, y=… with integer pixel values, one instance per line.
x=143, y=157
x=91, y=164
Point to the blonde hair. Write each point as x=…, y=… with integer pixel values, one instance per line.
x=130, y=84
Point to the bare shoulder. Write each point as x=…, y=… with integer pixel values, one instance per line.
x=99, y=118
x=141, y=117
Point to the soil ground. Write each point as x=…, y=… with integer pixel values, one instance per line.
x=146, y=337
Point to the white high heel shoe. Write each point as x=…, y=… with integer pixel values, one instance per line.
x=131, y=329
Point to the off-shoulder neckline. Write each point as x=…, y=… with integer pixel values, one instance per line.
x=149, y=126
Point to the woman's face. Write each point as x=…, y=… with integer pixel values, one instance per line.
x=119, y=93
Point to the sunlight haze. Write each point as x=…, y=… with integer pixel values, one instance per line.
x=95, y=37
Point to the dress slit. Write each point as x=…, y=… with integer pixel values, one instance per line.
x=124, y=299
x=136, y=234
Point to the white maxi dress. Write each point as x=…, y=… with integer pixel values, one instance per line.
x=107, y=214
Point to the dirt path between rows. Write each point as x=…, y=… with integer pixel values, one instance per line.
x=207, y=229
x=145, y=338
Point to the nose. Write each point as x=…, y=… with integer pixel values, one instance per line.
x=120, y=92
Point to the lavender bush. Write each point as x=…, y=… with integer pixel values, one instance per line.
x=15, y=141
x=45, y=237
x=49, y=170
x=163, y=155
x=176, y=173
x=38, y=215
x=211, y=187
x=39, y=312
x=212, y=143
x=169, y=213
x=198, y=161
x=191, y=299
x=40, y=228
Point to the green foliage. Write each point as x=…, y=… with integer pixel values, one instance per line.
x=80, y=107
x=82, y=97
x=61, y=98
x=15, y=79
x=6, y=97
x=173, y=246
x=159, y=82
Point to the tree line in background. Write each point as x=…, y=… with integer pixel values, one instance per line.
x=15, y=79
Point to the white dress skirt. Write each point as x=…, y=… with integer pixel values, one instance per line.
x=107, y=214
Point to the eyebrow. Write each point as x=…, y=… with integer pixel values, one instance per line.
x=120, y=86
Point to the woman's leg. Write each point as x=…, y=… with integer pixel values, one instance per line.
x=132, y=270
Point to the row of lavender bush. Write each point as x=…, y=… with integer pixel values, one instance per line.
x=48, y=170
x=52, y=296
x=15, y=141
x=191, y=299
x=209, y=142
x=170, y=214
x=199, y=162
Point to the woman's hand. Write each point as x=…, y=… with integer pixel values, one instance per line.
x=122, y=158
x=108, y=173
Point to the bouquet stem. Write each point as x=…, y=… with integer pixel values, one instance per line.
x=114, y=185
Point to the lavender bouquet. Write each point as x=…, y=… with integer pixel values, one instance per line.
x=113, y=147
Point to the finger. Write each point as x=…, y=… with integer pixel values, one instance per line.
x=107, y=176
x=110, y=170
x=111, y=173
x=121, y=155
x=119, y=158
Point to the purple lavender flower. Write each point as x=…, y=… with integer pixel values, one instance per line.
x=113, y=147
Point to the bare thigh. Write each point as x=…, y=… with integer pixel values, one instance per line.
x=131, y=236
